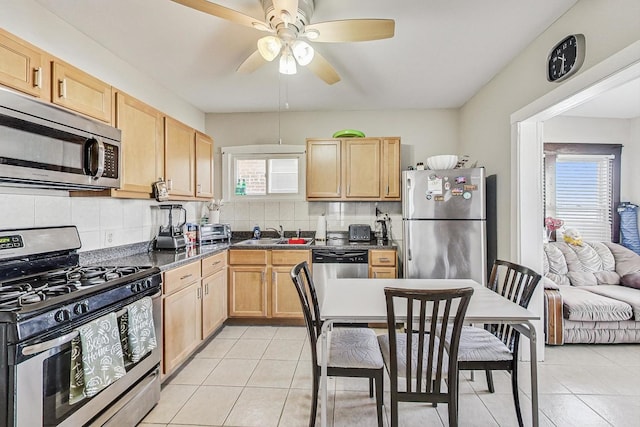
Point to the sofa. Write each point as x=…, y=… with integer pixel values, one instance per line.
x=591, y=293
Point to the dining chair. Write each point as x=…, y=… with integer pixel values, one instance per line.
x=352, y=352
x=495, y=347
x=427, y=356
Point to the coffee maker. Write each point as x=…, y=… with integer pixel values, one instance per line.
x=172, y=236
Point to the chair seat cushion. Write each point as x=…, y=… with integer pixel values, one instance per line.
x=477, y=344
x=353, y=348
x=401, y=347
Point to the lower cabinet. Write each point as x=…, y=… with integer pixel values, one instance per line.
x=260, y=284
x=382, y=264
x=194, y=306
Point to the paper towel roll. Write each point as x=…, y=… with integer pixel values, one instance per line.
x=321, y=228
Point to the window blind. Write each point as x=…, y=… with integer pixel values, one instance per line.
x=583, y=194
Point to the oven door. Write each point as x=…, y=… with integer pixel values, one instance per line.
x=47, y=375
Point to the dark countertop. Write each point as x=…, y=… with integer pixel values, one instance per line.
x=137, y=255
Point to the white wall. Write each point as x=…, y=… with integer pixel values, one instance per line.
x=630, y=163
x=485, y=131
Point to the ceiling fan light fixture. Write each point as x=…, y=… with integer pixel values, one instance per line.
x=303, y=52
x=269, y=47
x=287, y=63
x=311, y=34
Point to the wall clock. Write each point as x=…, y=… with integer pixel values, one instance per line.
x=566, y=58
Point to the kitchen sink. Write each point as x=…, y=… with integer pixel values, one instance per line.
x=270, y=242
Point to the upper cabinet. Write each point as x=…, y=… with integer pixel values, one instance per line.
x=81, y=92
x=204, y=166
x=142, y=144
x=353, y=169
x=179, y=158
x=23, y=67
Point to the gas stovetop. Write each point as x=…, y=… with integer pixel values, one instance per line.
x=59, y=285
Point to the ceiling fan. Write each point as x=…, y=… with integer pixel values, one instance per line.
x=288, y=22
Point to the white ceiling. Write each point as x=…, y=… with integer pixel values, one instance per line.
x=443, y=52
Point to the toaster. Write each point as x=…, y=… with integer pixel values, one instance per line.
x=359, y=232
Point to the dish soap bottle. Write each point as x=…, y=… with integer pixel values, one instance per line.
x=256, y=232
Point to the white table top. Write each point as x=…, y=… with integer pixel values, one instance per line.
x=362, y=300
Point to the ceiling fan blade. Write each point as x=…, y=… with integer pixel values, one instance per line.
x=352, y=30
x=252, y=63
x=321, y=68
x=289, y=6
x=224, y=13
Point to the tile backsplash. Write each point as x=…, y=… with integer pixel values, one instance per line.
x=105, y=222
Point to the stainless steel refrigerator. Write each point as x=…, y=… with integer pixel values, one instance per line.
x=444, y=224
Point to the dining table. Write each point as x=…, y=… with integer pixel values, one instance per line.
x=362, y=301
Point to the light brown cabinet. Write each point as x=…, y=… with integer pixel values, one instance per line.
x=204, y=166
x=214, y=293
x=382, y=264
x=260, y=285
x=23, y=67
x=142, y=144
x=353, y=169
x=194, y=306
x=179, y=155
x=78, y=91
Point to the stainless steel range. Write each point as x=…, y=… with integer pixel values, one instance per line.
x=44, y=298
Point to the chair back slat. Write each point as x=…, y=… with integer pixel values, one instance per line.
x=516, y=283
x=432, y=328
x=301, y=277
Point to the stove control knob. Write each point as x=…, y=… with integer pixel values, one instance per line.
x=148, y=284
x=135, y=287
x=81, y=308
x=62, y=315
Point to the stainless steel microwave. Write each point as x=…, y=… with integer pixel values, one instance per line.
x=45, y=146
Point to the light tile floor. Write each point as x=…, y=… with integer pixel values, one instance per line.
x=261, y=376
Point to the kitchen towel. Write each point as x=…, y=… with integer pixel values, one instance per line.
x=96, y=358
x=138, y=330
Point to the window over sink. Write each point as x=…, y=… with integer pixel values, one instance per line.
x=258, y=172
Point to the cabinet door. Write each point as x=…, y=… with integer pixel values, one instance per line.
x=362, y=168
x=182, y=325
x=323, y=169
x=22, y=66
x=390, y=179
x=247, y=291
x=142, y=143
x=382, y=272
x=284, y=297
x=81, y=92
x=214, y=302
x=179, y=158
x=204, y=166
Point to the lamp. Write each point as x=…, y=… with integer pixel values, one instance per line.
x=287, y=62
x=302, y=51
x=269, y=47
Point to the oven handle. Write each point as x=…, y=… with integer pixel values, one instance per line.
x=57, y=342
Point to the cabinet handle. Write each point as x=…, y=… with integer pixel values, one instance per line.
x=184, y=277
x=387, y=189
x=199, y=189
x=338, y=188
x=273, y=276
x=375, y=274
x=348, y=189
x=384, y=259
x=62, y=86
x=169, y=184
x=199, y=293
x=37, y=81
x=216, y=263
x=263, y=275
x=206, y=289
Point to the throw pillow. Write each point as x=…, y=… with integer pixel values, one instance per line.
x=631, y=280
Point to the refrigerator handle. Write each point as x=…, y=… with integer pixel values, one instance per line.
x=408, y=237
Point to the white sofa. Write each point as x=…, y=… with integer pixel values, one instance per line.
x=592, y=293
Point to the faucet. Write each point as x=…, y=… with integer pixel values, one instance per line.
x=280, y=231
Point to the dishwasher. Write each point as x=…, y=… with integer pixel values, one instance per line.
x=334, y=263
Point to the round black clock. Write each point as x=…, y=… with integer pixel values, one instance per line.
x=565, y=58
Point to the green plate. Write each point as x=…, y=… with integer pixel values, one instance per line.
x=348, y=133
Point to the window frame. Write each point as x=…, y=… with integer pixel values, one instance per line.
x=553, y=149
x=262, y=152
